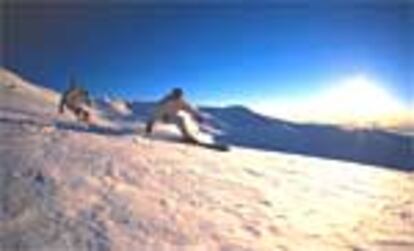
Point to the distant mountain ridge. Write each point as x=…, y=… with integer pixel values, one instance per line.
x=242, y=127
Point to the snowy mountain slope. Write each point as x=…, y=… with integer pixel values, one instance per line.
x=12, y=81
x=368, y=146
x=240, y=126
x=63, y=187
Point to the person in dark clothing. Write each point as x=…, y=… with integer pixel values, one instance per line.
x=75, y=99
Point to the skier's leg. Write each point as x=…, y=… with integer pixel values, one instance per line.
x=74, y=110
x=81, y=114
x=182, y=124
x=85, y=117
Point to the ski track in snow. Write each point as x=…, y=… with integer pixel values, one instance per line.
x=63, y=187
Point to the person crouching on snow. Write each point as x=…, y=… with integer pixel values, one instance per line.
x=75, y=99
x=169, y=109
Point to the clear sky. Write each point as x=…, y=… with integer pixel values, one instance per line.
x=234, y=53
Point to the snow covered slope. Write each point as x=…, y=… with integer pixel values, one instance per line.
x=240, y=126
x=65, y=187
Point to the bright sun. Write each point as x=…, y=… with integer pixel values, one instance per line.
x=355, y=101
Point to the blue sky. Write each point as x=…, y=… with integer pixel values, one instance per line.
x=219, y=53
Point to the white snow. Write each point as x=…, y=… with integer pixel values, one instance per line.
x=63, y=187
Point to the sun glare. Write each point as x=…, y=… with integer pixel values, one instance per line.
x=356, y=101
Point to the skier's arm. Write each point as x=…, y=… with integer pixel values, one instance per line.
x=191, y=110
x=149, y=126
x=155, y=115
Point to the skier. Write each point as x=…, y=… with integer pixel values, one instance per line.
x=170, y=109
x=75, y=99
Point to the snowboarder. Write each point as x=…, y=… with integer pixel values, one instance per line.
x=168, y=109
x=75, y=99
x=173, y=108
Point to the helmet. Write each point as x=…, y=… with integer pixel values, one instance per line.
x=177, y=92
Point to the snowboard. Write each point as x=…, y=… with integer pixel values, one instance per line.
x=213, y=146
